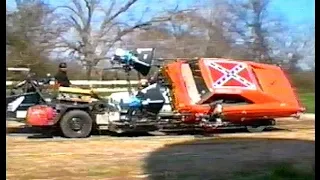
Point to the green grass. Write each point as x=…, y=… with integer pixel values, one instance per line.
x=283, y=171
x=308, y=100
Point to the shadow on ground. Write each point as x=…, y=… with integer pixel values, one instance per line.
x=36, y=132
x=218, y=159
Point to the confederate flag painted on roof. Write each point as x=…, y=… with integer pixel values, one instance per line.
x=230, y=74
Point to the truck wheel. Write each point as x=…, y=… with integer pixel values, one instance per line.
x=254, y=129
x=76, y=124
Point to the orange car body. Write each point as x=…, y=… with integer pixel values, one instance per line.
x=263, y=90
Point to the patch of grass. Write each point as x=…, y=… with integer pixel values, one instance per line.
x=283, y=171
x=308, y=100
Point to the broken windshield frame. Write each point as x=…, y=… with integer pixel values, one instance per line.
x=199, y=81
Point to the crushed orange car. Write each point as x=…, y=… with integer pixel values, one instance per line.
x=247, y=91
x=214, y=92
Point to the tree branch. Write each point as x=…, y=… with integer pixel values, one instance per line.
x=122, y=10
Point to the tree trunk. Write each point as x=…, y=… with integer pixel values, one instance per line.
x=293, y=63
x=88, y=72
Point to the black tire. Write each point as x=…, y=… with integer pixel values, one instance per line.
x=82, y=117
x=255, y=129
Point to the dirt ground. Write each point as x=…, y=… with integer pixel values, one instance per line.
x=161, y=157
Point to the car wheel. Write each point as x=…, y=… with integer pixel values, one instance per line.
x=254, y=129
x=76, y=124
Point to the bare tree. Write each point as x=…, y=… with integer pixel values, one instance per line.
x=210, y=23
x=188, y=34
x=249, y=22
x=31, y=34
x=300, y=48
x=241, y=29
x=94, y=40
